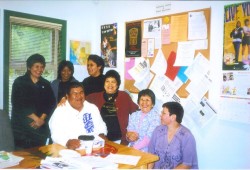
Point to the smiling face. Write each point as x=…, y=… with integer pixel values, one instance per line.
x=76, y=98
x=93, y=69
x=36, y=70
x=145, y=103
x=110, y=85
x=66, y=74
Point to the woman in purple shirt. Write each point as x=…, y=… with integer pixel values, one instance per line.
x=172, y=142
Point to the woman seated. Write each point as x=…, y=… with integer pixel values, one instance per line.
x=143, y=122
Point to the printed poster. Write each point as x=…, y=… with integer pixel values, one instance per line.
x=79, y=52
x=236, y=37
x=109, y=44
x=133, y=39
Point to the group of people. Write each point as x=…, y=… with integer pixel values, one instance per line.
x=241, y=35
x=65, y=109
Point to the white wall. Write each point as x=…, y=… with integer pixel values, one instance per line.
x=221, y=144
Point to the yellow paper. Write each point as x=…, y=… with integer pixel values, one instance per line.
x=179, y=28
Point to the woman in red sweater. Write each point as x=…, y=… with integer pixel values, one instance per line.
x=115, y=107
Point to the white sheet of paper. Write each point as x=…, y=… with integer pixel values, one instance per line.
x=151, y=47
x=143, y=84
x=159, y=66
x=200, y=44
x=152, y=28
x=199, y=113
x=140, y=69
x=123, y=159
x=235, y=109
x=185, y=54
x=197, y=26
x=163, y=88
x=199, y=67
x=198, y=88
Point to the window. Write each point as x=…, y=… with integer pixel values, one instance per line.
x=25, y=35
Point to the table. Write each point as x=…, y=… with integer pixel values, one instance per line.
x=33, y=156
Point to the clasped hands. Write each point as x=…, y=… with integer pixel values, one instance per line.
x=37, y=121
x=132, y=136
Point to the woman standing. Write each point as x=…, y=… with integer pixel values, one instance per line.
x=64, y=77
x=32, y=104
x=236, y=34
x=95, y=81
x=143, y=122
x=246, y=42
x=115, y=107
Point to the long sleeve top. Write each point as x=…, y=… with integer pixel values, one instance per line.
x=124, y=106
x=68, y=123
x=144, y=124
x=27, y=98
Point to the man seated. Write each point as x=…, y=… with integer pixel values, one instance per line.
x=77, y=117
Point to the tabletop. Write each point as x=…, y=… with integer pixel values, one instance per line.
x=33, y=156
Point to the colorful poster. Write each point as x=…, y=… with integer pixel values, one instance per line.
x=109, y=44
x=79, y=52
x=133, y=39
x=236, y=37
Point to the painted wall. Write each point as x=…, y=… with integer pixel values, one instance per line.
x=221, y=144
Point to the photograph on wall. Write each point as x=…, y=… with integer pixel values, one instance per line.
x=79, y=52
x=236, y=37
x=133, y=39
x=109, y=44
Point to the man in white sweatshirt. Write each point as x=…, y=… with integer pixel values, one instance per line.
x=77, y=117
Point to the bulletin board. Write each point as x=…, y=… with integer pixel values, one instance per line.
x=171, y=47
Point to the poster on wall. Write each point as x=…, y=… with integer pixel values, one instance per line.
x=79, y=52
x=133, y=39
x=236, y=37
x=109, y=44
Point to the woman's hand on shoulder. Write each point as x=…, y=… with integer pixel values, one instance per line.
x=62, y=101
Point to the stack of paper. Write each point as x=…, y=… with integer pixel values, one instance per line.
x=8, y=159
x=84, y=162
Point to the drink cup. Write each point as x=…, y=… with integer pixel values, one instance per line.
x=88, y=146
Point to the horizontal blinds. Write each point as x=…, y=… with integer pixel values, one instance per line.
x=36, y=23
x=27, y=40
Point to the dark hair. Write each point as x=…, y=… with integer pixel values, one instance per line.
x=114, y=74
x=35, y=58
x=245, y=21
x=98, y=60
x=62, y=65
x=72, y=85
x=146, y=92
x=176, y=109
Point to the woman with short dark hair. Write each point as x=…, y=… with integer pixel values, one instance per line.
x=64, y=77
x=115, y=107
x=94, y=83
x=32, y=105
x=142, y=123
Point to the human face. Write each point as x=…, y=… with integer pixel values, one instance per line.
x=66, y=74
x=238, y=24
x=93, y=69
x=76, y=98
x=36, y=71
x=145, y=103
x=166, y=118
x=110, y=85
